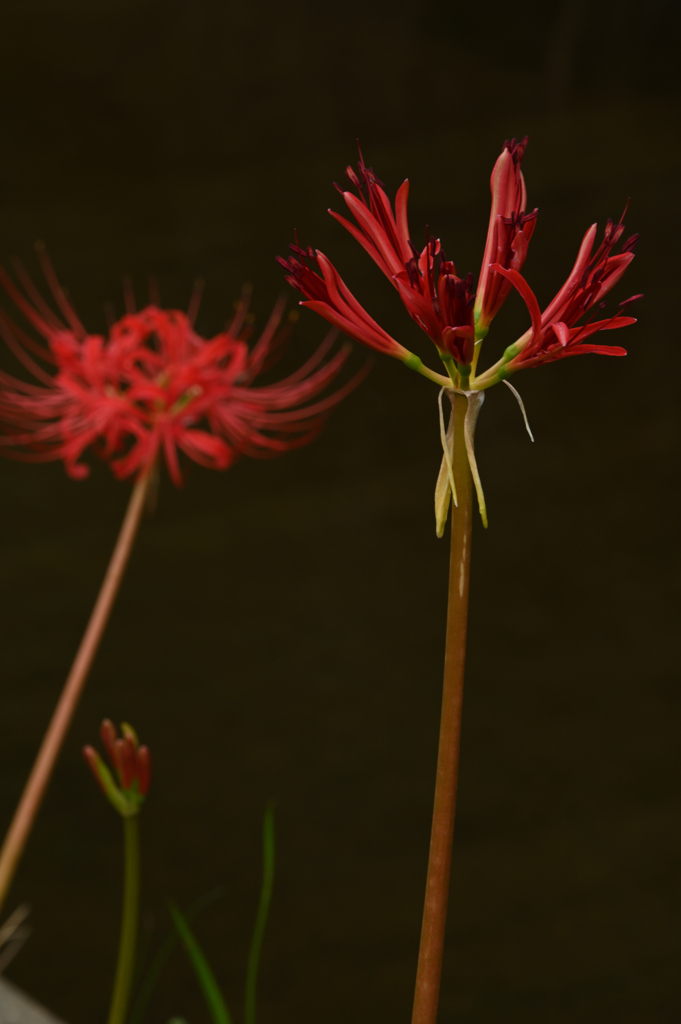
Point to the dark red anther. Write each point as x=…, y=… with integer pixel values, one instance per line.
x=295, y=246
x=516, y=149
x=417, y=254
x=411, y=267
x=632, y=298
x=351, y=176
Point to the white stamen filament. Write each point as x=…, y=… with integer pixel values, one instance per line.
x=522, y=408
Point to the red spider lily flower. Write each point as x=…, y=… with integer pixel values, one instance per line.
x=132, y=768
x=445, y=305
x=555, y=334
x=153, y=386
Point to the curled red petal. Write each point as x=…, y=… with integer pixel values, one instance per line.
x=575, y=276
x=359, y=331
x=527, y=295
x=601, y=350
x=401, y=221
x=366, y=243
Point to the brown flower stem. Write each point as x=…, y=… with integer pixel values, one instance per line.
x=429, y=967
x=43, y=766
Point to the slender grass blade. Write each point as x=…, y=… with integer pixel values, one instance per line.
x=261, y=918
x=204, y=974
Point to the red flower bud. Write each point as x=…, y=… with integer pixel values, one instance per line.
x=107, y=733
x=93, y=759
x=125, y=751
x=131, y=765
x=143, y=769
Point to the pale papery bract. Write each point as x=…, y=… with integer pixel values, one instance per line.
x=153, y=386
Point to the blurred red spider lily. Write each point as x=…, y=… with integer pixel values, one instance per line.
x=128, y=785
x=154, y=386
x=445, y=305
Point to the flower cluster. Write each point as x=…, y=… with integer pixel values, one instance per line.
x=131, y=764
x=454, y=315
x=153, y=386
x=444, y=305
x=555, y=333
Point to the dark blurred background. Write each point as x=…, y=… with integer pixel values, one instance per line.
x=280, y=631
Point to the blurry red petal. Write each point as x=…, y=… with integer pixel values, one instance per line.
x=143, y=759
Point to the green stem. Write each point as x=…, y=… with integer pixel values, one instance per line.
x=126, y=948
x=429, y=968
x=204, y=974
x=414, y=363
x=493, y=374
x=261, y=919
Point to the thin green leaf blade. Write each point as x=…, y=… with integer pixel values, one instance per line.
x=204, y=974
x=261, y=917
x=148, y=985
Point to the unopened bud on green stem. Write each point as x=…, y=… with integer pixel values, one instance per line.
x=126, y=787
